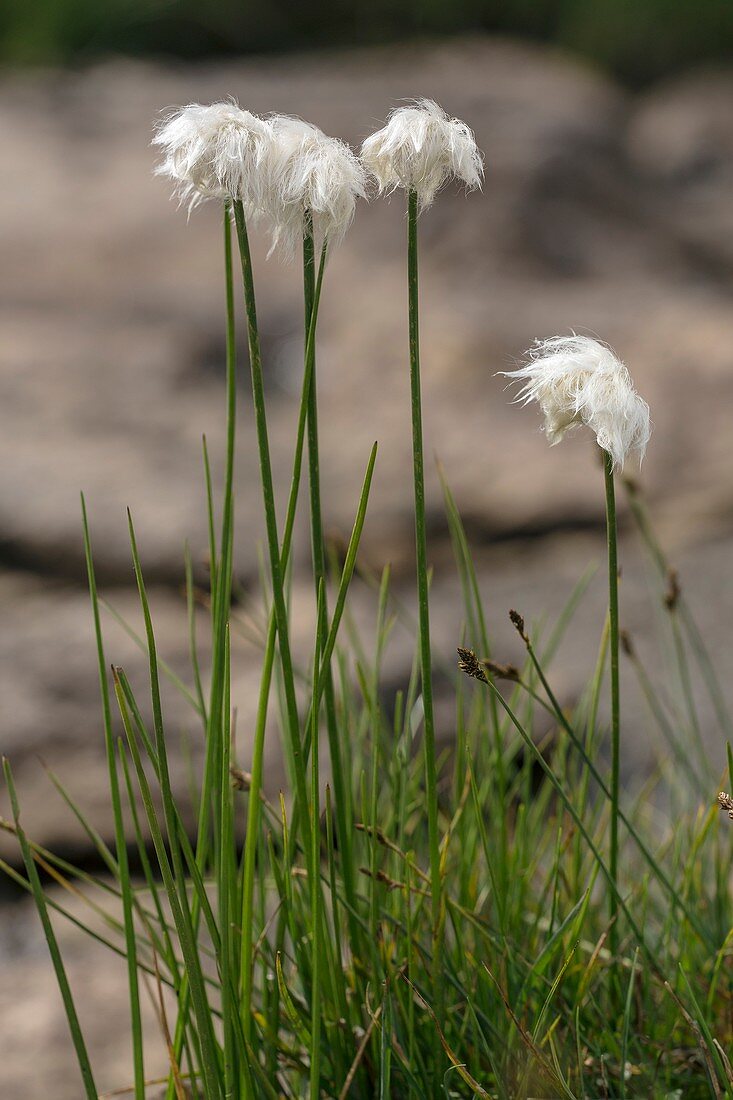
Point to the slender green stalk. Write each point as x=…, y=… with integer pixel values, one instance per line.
x=341, y=788
x=213, y=565
x=258, y=748
x=53, y=947
x=185, y=923
x=218, y=729
x=221, y=585
x=221, y=574
x=226, y=886
x=612, y=534
x=123, y=871
x=423, y=598
x=170, y=872
x=164, y=948
x=268, y=495
x=192, y=646
x=196, y=879
x=347, y=574
x=315, y=883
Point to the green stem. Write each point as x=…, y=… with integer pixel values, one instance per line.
x=221, y=571
x=226, y=885
x=221, y=584
x=34, y=881
x=280, y=619
x=258, y=748
x=170, y=867
x=219, y=733
x=341, y=788
x=615, y=693
x=315, y=884
x=123, y=870
x=423, y=597
x=268, y=494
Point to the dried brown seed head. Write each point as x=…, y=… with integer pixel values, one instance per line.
x=518, y=623
x=502, y=672
x=726, y=803
x=469, y=663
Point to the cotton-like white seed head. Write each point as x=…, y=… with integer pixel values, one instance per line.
x=577, y=380
x=310, y=176
x=215, y=152
x=420, y=149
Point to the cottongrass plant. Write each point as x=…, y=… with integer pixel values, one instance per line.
x=419, y=150
x=314, y=184
x=578, y=381
x=336, y=947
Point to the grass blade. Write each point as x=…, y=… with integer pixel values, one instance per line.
x=53, y=947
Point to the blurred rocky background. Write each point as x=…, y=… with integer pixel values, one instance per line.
x=606, y=209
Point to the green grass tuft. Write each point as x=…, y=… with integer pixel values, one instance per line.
x=503, y=922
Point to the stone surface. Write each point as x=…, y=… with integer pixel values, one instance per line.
x=112, y=351
x=602, y=211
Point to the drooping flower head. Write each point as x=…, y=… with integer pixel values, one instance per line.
x=215, y=152
x=420, y=149
x=577, y=380
x=311, y=176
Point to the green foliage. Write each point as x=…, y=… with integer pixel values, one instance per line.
x=422, y=927
x=638, y=40
x=530, y=1007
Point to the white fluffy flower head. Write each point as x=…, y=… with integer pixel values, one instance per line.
x=216, y=152
x=577, y=380
x=420, y=149
x=312, y=176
